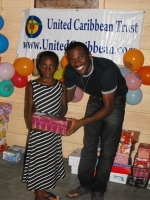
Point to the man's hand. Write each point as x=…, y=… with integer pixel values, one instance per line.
x=75, y=125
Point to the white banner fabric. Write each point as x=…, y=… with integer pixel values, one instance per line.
x=107, y=33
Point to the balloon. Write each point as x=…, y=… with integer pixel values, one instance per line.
x=78, y=95
x=24, y=66
x=7, y=71
x=133, y=59
x=62, y=79
x=134, y=97
x=58, y=74
x=64, y=61
x=6, y=88
x=133, y=80
x=1, y=22
x=124, y=70
x=3, y=43
x=19, y=81
x=144, y=72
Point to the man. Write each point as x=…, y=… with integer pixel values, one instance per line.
x=102, y=80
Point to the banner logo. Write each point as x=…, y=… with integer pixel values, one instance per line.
x=33, y=27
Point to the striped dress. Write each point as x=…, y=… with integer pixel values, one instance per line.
x=44, y=161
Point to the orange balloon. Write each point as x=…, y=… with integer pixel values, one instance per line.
x=24, y=66
x=144, y=72
x=62, y=79
x=64, y=61
x=133, y=59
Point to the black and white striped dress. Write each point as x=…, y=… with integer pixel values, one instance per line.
x=44, y=161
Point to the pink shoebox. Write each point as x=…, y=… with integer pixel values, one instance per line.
x=50, y=123
x=118, y=178
x=141, y=162
x=141, y=172
x=144, y=150
x=122, y=158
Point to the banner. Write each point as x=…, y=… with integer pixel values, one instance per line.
x=107, y=33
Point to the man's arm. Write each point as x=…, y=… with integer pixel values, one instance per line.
x=70, y=94
x=108, y=101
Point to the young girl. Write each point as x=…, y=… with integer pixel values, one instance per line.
x=44, y=161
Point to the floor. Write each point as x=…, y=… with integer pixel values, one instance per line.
x=11, y=187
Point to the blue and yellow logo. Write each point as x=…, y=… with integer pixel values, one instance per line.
x=33, y=26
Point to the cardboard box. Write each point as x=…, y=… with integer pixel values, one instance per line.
x=141, y=172
x=137, y=182
x=148, y=184
x=74, y=157
x=5, y=108
x=118, y=178
x=121, y=158
x=50, y=123
x=122, y=169
x=144, y=150
x=3, y=128
x=74, y=169
x=3, y=147
x=2, y=141
x=124, y=148
x=14, y=153
x=129, y=136
x=141, y=162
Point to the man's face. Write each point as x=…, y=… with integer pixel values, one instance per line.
x=80, y=60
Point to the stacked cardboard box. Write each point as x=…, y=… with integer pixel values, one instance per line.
x=5, y=110
x=141, y=166
x=122, y=162
x=74, y=159
x=14, y=153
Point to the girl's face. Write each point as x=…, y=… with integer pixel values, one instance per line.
x=48, y=66
x=80, y=60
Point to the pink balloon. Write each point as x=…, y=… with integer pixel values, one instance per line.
x=7, y=71
x=133, y=80
x=78, y=95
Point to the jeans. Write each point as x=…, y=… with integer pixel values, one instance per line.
x=109, y=130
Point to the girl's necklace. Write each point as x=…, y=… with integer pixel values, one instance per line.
x=84, y=85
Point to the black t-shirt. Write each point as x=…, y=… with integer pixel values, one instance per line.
x=105, y=77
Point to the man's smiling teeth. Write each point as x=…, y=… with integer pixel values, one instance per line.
x=79, y=68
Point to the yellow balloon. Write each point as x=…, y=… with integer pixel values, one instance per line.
x=64, y=61
x=58, y=74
